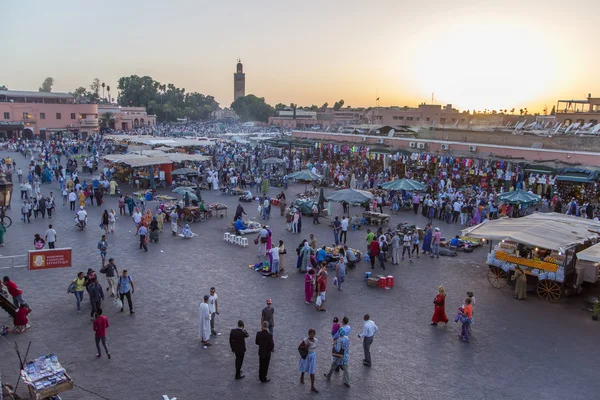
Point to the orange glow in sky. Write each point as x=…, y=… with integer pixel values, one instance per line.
x=473, y=54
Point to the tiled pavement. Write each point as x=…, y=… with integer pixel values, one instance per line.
x=519, y=349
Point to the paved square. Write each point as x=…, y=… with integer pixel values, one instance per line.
x=519, y=350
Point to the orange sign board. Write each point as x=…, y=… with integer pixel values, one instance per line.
x=49, y=258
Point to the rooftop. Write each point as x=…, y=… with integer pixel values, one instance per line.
x=25, y=93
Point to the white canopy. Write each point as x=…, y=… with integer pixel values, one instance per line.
x=590, y=254
x=552, y=231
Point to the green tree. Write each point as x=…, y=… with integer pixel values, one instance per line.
x=324, y=106
x=252, y=108
x=338, y=105
x=47, y=85
x=280, y=106
x=314, y=108
x=80, y=92
x=95, y=87
x=108, y=92
x=107, y=118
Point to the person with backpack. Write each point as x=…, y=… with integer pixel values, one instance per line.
x=96, y=296
x=125, y=289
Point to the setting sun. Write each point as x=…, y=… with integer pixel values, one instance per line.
x=478, y=65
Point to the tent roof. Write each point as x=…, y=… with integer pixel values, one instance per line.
x=552, y=231
x=590, y=254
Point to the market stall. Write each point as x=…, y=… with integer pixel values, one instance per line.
x=542, y=245
x=45, y=377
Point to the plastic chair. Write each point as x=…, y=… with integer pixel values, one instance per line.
x=244, y=242
x=226, y=236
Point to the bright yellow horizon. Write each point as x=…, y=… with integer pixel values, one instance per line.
x=472, y=54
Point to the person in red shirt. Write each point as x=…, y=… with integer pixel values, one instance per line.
x=373, y=252
x=322, y=290
x=100, y=325
x=14, y=291
x=20, y=319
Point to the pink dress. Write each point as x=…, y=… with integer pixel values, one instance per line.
x=308, y=288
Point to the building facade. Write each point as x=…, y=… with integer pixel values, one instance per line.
x=423, y=115
x=239, y=82
x=39, y=114
x=585, y=111
x=124, y=118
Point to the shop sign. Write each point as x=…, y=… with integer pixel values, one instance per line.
x=49, y=258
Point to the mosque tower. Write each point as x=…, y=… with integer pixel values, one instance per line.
x=239, y=82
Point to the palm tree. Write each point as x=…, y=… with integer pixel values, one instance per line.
x=103, y=86
x=108, y=91
x=107, y=119
x=521, y=111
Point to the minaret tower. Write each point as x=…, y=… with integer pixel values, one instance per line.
x=239, y=82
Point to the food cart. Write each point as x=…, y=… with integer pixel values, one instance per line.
x=544, y=245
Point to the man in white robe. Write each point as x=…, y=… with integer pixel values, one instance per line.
x=215, y=180
x=204, y=327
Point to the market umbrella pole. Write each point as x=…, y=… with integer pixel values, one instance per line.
x=21, y=361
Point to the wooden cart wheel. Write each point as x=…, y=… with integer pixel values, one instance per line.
x=497, y=277
x=548, y=290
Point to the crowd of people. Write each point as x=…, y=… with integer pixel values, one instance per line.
x=445, y=200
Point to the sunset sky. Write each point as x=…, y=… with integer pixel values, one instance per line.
x=475, y=54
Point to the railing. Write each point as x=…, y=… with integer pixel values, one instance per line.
x=18, y=261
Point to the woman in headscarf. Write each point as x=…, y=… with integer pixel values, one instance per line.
x=186, y=232
x=305, y=252
x=147, y=217
x=340, y=353
x=427, y=240
x=476, y=220
x=153, y=230
x=160, y=219
x=309, y=284
x=439, y=307
x=269, y=239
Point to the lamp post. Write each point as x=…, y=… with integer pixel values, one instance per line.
x=6, y=188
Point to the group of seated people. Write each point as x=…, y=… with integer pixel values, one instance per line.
x=350, y=258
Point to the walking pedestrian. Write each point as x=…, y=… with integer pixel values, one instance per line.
x=76, y=287
x=125, y=289
x=439, y=308
x=50, y=237
x=268, y=315
x=26, y=212
x=142, y=231
x=406, y=242
x=435, y=243
x=415, y=243
x=72, y=200
x=110, y=271
x=340, y=272
x=100, y=325
x=337, y=228
x=340, y=354
x=213, y=307
x=344, y=234
x=204, y=326
x=261, y=241
x=369, y=330
x=237, y=341
x=103, y=247
x=308, y=358
x=96, y=296
x=266, y=346
x=321, y=292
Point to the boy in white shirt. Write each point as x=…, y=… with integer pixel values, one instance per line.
x=213, y=308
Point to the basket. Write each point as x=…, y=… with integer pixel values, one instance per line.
x=372, y=282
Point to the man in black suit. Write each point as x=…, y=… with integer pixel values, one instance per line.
x=264, y=340
x=237, y=340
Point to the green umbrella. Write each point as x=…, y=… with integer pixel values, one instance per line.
x=305, y=175
x=519, y=197
x=352, y=196
x=403, y=184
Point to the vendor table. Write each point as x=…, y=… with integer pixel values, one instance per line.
x=45, y=377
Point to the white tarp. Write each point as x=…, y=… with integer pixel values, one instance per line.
x=590, y=254
x=546, y=230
